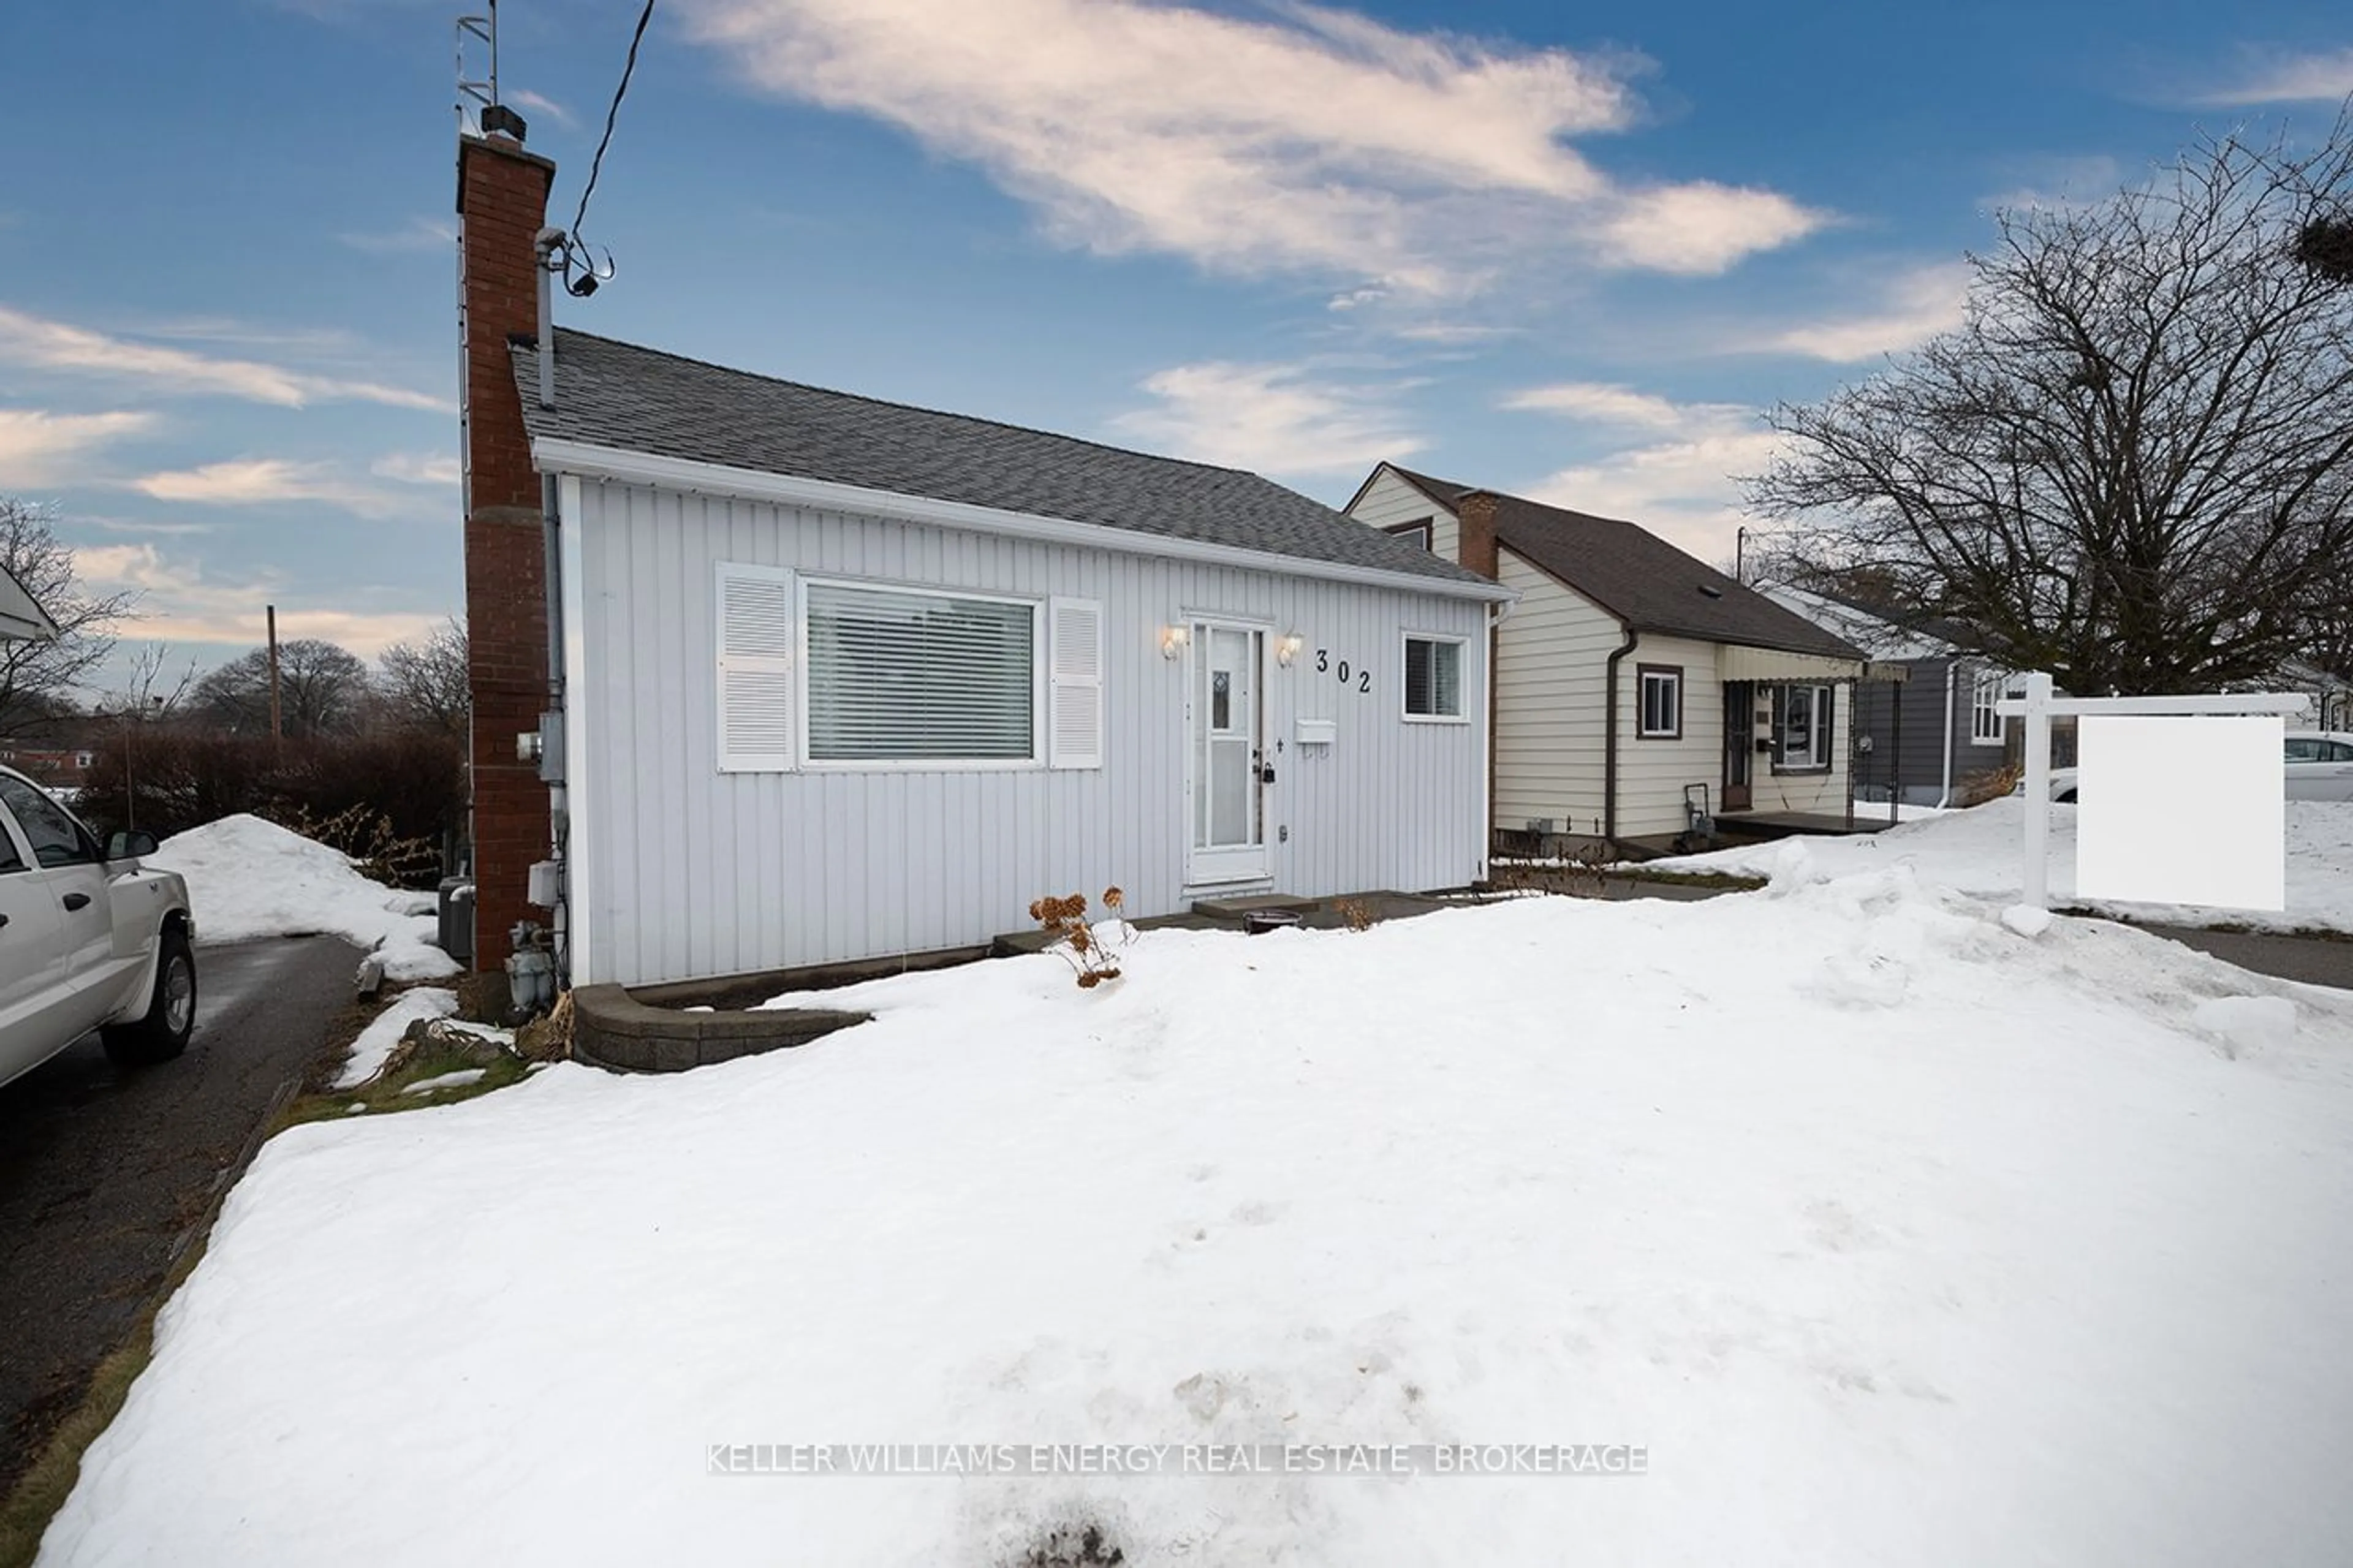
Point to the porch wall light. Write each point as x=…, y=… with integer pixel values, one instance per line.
x=1288, y=648
x=1173, y=640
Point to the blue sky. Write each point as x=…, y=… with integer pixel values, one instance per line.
x=1564, y=252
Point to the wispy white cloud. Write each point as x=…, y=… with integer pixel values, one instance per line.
x=38, y=448
x=250, y=481
x=2060, y=181
x=2270, y=76
x=1605, y=404
x=1913, y=307
x=1268, y=419
x=417, y=234
x=144, y=528
x=1311, y=139
x=419, y=467
x=34, y=342
x=178, y=603
x=1682, y=484
x=539, y=104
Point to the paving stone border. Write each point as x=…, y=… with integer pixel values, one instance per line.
x=611, y=1028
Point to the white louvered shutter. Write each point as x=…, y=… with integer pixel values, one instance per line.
x=755, y=669
x=1075, y=706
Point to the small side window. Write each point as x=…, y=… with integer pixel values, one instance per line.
x=9, y=859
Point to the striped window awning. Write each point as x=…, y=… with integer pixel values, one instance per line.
x=1738, y=662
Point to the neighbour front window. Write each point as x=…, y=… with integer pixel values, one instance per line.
x=1984, y=725
x=901, y=674
x=1801, y=714
x=1414, y=532
x=1661, y=701
x=1433, y=678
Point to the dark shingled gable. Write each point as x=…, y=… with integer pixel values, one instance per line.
x=618, y=395
x=1639, y=577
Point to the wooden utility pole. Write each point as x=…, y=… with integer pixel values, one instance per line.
x=276, y=729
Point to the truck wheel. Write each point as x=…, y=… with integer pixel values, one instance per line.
x=170, y=1017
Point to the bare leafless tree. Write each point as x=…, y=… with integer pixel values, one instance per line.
x=2132, y=465
x=149, y=690
x=424, y=684
x=323, y=690
x=40, y=679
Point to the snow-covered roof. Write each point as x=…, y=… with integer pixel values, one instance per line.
x=1879, y=638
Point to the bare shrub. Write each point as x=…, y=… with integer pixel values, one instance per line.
x=1075, y=937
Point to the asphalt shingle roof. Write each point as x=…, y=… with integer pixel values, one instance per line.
x=1639, y=577
x=618, y=395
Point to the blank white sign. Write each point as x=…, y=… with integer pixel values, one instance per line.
x=2183, y=810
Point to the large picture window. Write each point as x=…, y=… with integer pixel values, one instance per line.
x=1801, y=719
x=1433, y=678
x=899, y=675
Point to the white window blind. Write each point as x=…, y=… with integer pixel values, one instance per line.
x=1076, y=660
x=755, y=669
x=1433, y=678
x=900, y=674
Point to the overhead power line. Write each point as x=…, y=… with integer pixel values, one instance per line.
x=576, y=252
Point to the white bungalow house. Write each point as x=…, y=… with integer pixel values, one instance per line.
x=836, y=678
x=1632, y=683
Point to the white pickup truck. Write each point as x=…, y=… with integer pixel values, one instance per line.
x=87, y=938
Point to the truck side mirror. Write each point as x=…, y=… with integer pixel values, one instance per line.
x=132, y=846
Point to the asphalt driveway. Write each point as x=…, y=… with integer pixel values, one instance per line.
x=103, y=1172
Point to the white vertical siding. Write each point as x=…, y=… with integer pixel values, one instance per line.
x=1390, y=500
x=683, y=871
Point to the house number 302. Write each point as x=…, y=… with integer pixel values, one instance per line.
x=1361, y=678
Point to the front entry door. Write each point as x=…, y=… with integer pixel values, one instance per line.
x=1223, y=763
x=1739, y=741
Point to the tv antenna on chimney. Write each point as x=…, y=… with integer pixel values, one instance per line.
x=483, y=91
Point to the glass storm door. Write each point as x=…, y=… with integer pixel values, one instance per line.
x=1228, y=838
x=1740, y=742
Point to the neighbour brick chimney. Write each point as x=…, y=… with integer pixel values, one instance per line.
x=1476, y=513
x=502, y=206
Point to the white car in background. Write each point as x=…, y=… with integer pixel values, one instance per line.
x=2319, y=766
x=89, y=939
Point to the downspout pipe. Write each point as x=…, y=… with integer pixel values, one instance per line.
x=1498, y=614
x=1610, y=740
x=553, y=736
x=1952, y=678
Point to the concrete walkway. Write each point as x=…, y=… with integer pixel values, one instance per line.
x=2315, y=960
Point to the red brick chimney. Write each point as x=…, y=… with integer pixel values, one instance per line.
x=502, y=207
x=1475, y=511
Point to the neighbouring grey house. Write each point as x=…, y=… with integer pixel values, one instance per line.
x=845, y=679
x=1935, y=737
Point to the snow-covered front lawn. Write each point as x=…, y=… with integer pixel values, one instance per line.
x=248, y=878
x=1978, y=852
x=1890, y=1236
